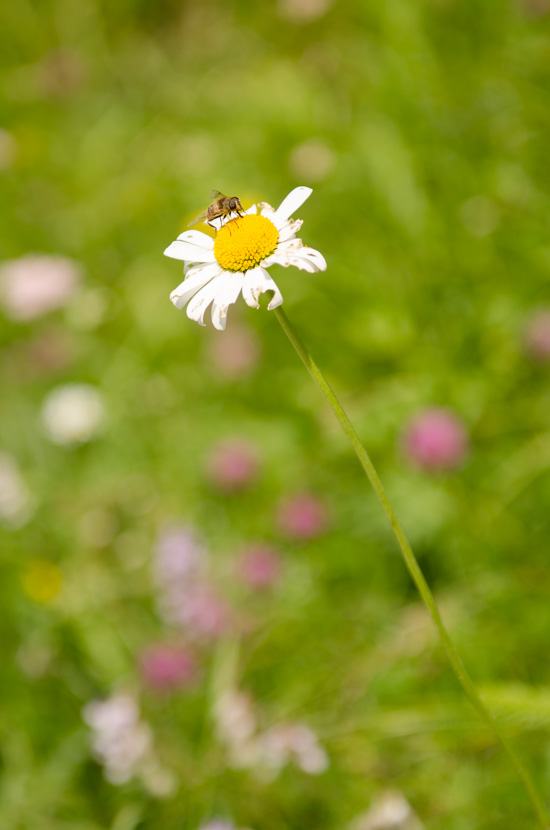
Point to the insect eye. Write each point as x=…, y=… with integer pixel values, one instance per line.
x=233, y=202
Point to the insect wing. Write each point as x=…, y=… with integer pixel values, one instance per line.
x=215, y=194
x=200, y=218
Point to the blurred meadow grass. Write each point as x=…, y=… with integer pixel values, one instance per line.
x=422, y=128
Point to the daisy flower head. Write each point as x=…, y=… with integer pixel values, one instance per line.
x=238, y=258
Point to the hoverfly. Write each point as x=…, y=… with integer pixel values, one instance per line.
x=221, y=206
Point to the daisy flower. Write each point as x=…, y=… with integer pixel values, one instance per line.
x=218, y=270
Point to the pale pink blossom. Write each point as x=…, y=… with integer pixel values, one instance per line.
x=303, y=11
x=49, y=353
x=180, y=556
x=36, y=284
x=303, y=516
x=166, y=667
x=237, y=354
x=260, y=566
x=186, y=596
x=233, y=464
x=535, y=8
x=8, y=149
x=205, y=613
x=537, y=335
x=436, y=439
x=61, y=72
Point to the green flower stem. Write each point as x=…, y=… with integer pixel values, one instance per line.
x=414, y=569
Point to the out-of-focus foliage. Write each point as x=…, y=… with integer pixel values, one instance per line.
x=295, y=679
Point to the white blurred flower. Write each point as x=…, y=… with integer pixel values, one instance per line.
x=303, y=11
x=158, y=780
x=120, y=741
x=219, y=824
x=390, y=811
x=294, y=741
x=16, y=504
x=270, y=750
x=236, y=727
x=313, y=160
x=73, y=413
x=8, y=149
x=36, y=284
x=123, y=744
x=218, y=270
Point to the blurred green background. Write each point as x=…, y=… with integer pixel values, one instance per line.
x=423, y=129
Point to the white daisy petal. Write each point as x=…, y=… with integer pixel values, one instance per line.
x=220, y=221
x=289, y=244
x=197, y=238
x=267, y=210
x=195, y=280
x=249, y=295
x=252, y=210
x=277, y=299
x=216, y=223
x=194, y=267
x=189, y=251
x=304, y=258
x=292, y=202
x=256, y=282
x=197, y=267
x=226, y=296
x=201, y=300
x=289, y=229
x=282, y=252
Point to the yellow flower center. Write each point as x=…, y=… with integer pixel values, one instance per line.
x=245, y=242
